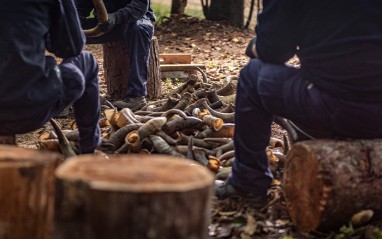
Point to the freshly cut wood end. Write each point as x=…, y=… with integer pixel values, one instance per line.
x=136, y=173
x=11, y=155
x=303, y=189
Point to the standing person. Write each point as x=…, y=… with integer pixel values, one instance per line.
x=33, y=87
x=337, y=89
x=129, y=21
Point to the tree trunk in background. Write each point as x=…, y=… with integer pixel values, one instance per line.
x=26, y=192
x=326, y=182
x=116, y=66
x=135, y=196
x=154, y=84
x=178, y=6
x=228, y=10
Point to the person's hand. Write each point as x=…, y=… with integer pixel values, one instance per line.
x=109, y=24
x=251, y=49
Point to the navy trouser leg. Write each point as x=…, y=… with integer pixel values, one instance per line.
x=250, y=170
x=138, y=39
x=265, y=90
x=81, y=87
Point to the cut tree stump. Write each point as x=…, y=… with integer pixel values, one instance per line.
x=116, y=66
x=328, y=181
x=26, y=192
x=133, y=196
x=8, y=139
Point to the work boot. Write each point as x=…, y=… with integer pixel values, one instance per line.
x=130, y=102
x=225, y=190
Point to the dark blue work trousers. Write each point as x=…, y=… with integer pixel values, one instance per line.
x=81, y=89
x=137, y=36
x=265, y=90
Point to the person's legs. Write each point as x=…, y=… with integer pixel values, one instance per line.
x=138, y=37
x=81, y=88
x=265, y=90
x=250, y=170
x=138, y=41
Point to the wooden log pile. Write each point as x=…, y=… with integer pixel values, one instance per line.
x=193, y=121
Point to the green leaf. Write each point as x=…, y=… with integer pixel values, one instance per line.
x=227, y=213
x=238, y=222
x=376, y=234
x=347, y=230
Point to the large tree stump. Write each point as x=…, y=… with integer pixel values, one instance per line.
x=328, y=181
x=132, y=196
x=26, y=193
x=116, y=66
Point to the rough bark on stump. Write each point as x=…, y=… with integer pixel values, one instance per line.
x=8, y=139
x=153, y=84
x=328, y=181
x=116, y=66
x=26, y=193
x=132, y=196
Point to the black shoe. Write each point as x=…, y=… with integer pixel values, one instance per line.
x=130, y=102
x=225, y=190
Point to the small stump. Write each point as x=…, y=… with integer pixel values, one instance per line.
x=132, y=196
x=26, y=192
x=117, y=69
x=328, y=181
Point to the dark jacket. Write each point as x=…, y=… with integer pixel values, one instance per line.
x=127, y=11
x=29, y=82
x=339, y=43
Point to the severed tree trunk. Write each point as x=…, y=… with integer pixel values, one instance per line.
x=133, y=196
x=153, y=84
x=26, y=192
x=178, y=6
x=116, y=66
x=224, y=10
x=328, y=181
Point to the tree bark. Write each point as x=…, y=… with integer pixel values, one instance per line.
x=153, y=84
x=225, y=10
x=178, y=6
x=26, y=192
x=134, y=196
x=8, y=139
x=117, y=69
x=328, y=181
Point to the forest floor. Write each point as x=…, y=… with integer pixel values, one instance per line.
x=221, y=48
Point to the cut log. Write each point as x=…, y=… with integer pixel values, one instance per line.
x=181, y=67
x=175, y=58
x=117, y=69
x=328, y=181
x=132, y=196
x=154, y=84
x=26, y=192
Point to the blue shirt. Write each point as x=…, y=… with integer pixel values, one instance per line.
x=338, y=42
x=29, y=82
